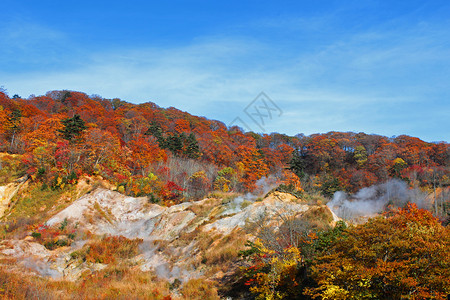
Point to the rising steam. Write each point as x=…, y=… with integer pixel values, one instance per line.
x=375, y=199
x=263, y=186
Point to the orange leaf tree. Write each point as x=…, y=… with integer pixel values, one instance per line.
x=405, y=255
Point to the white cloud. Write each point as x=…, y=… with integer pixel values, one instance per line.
x=21, y=33
x=362, y=82
x=25, y=44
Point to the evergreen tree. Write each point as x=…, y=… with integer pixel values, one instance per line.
x=175, y=143
x=297, y=164
x=73, y=128
x=156, y=131
x=192, y=150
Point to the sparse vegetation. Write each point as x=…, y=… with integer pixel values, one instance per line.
x=205, y=207
x=40, y=204
x=108, y=250
x=56, y=236
x=222, y=250
x=106, y=214
x=199, y=289
x=113, y=282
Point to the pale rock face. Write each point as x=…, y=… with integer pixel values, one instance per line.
x=151, y=260
x=19, y=248
x=134, y=217
x=108, y=212
x=121, y=215
x=3, y=204
x=31, y=255
x=55, y=264
x=7, y=192
x=117, y=207
x=270, y=206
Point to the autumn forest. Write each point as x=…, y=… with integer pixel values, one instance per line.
x=172, y=157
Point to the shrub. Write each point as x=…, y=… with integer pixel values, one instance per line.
x=199, y=289
x=401, y=256
x=108, y=250
x=54, y=237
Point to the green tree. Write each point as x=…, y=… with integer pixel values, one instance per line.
x=175, y=143
x=297, y=164
x=73, y=128
x=155, y=130
x=192, y=150
x=330, y=185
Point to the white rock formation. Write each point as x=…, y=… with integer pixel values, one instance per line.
x=107, y=212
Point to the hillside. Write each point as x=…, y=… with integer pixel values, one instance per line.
x=197, y=240
x=173, y=156
x=105, y=244
x=100, y=198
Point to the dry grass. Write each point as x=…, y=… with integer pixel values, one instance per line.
x=203, y=208
x=218, y=253
x=17, y=285
x=225, y=248
x=16, y=228
x=223, y=196
x=106, y=214
x=108, y=250
x=36, y=202
x=213, y=253
x=318, y=217
x=199, y=289
x=114, y=282
x=122, y=282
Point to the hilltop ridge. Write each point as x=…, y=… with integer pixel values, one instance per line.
x=172, y=156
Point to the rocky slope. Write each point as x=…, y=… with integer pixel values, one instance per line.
x=7, y=192
x=179, y=242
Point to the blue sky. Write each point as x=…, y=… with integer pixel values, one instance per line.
x=373, y=66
